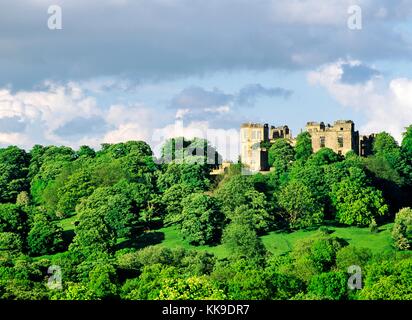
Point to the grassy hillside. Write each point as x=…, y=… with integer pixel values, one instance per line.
x=276, y=242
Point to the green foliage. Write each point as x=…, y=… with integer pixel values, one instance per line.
x=192, y=288
x=195, y=151
x=356, y=202
x=23, y=199
x=44, y=236
x=77, y=186
x=407, y=142
x=93, y=234
x=201, y=219
x=119, y=201
x=232, y=192
x=301, y=208
x=102, y=281
x=86, y=151
x=172, y=200
x=22, y=279
x=242, y=241
x=352, y=256
x=10, y=244
x=329, y=285
x=303, y=146
x=281, y=155
x=388, y=280
x=324, y=156
x=384, y=144
x=14, y=164
x=402, y=229
x=315, y=255
x=193, y=175
x=243, y=279
x=13, y=219
x=257, y=218
x=149, y=284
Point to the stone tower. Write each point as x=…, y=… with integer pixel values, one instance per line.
x=255, y=140
x=341, y=137
x=253, y=153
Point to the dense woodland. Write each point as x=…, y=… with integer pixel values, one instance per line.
x=119, y=196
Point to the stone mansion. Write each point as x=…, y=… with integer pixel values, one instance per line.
x=341, y=137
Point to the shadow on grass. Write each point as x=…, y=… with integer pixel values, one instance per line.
x=143, y=240
x=67, y=236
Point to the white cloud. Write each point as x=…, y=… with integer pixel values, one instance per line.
x=44, y=113
x=386, y=104
x=226, y=141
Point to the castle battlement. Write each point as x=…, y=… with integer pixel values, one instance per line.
x=341, y=137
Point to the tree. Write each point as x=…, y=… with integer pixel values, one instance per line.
x=303, y=146
x=388, y=280
x=257, y=218
x=86, y=151
x=243, y=279
x=242, y=241
x=120, y=205
x=10, y=244
x=281, y=155
x=23, y=199
x=350, y=256
x=44, y=236
x=231, y=193
x=102, y=282
x=193, y=175
x=13, y=219
x=324, y=156
x=300, y=207
x=149, y=283
x=201, y=219
x=195, y=151
x=77, y=186
x=192, y=288
x=356, y=202
x=329, y=285
x=172, y=200
x=402, y=229
x=14, y=165
x=384, y=144
x=407, y=142
x=93, y=234
x=314, y=255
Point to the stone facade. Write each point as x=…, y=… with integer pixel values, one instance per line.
x=341, y=137
x=255, y=138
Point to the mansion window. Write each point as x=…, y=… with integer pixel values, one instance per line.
x=322, y=142
x=340, y=141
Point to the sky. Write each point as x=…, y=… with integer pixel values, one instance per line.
x=120, y=70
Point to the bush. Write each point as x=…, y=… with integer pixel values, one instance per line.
x=329, y=285
x=402, y=230
x=201, y=220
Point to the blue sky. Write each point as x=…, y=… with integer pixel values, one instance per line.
x=123, y=70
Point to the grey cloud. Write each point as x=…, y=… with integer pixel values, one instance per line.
x=206, y=105
x=356, y=74
x=249, y=94
x=199, y=98
x=83, y=127
x=11, y=125
x=157, y=39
